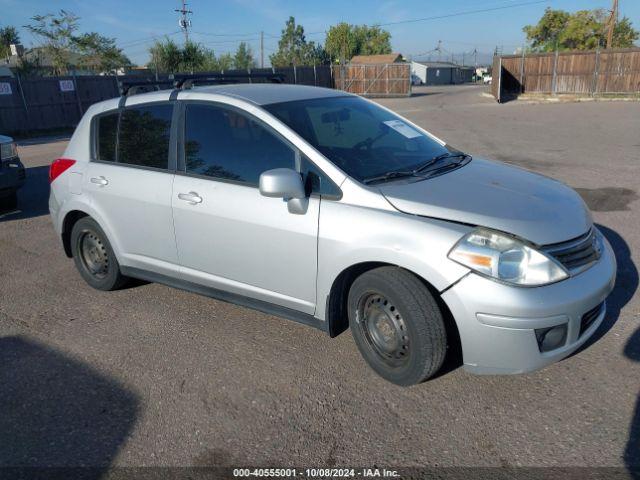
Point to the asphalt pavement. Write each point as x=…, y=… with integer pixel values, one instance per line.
x=156, y=376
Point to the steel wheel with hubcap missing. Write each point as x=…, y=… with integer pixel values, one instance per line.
x=94, y=254
x=397, y=325
x=383, y=328
x=94, y=257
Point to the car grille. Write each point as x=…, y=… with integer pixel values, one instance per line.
x=577, y=254
x=590, y=317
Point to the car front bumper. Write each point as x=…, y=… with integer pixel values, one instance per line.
x=12, y=175
x=497, y=322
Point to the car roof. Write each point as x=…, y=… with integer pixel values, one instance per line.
x=257, y=93
x=268, y=93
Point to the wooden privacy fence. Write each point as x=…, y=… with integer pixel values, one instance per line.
x=595, y=72
x=374, y=80
x=49, y=103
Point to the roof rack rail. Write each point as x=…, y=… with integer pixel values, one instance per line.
x=187, y=81
x=131, y=87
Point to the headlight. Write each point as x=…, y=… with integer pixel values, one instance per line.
x=506, y=259
x=8, y=150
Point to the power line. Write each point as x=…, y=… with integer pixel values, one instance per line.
x=152, y=38
x=252, y=34
x=458, y=14
x=221, y=42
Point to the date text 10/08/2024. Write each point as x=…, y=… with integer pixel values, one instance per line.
x=315, y=472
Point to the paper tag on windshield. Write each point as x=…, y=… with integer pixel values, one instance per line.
x=402, y=128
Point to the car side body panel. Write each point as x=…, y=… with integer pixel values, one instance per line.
x=238, y=240
x=354, y=231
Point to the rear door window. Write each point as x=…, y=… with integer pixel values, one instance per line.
x=107, y=131
x=227, y=144
x=144, y=135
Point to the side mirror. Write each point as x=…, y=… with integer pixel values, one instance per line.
x=281, y=183
x=287, y=184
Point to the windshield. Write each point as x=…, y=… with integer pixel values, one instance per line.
x=361, y=138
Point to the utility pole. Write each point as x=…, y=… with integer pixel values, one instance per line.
x=613, y=19
x=184, y=21
x=439, y=49
x=261, y=49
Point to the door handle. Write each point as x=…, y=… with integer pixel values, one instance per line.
x=192, y=197
x=100, y=181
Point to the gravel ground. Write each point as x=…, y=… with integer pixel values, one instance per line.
x=155, y=376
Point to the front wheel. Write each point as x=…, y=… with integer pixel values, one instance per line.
x=397, y=325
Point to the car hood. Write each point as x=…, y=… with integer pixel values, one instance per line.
x=498, y=196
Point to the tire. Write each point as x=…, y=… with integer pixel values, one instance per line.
x=94, y=257
x=397, y=325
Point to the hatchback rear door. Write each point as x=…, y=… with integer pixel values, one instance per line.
x=130, y=181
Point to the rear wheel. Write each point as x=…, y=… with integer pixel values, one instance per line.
x=397, y=325
x=94, y=257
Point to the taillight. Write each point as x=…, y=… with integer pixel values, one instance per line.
x=58, y=167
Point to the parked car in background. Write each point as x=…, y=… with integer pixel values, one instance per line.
x=12, y=173
x=487, y=79
x=329, y=209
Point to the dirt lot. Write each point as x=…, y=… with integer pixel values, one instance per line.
x=156, y=376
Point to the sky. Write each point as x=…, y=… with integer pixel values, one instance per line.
x=221, y=25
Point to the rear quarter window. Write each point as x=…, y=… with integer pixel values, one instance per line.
x=106, y=131
x=144, y=135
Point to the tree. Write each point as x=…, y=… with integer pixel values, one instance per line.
x=210, y=62
x=28, y=67
x=57, y=33
x=166, y=56
x=225, y=62
x=582, y=30
x=100, y=53
x=372, y=40
x=243, y=59
x=624, y=35
x=293, y=48
x=341, y=43
x=344, y=41
x=193, y=57
x=65, y=48
x=8, y=35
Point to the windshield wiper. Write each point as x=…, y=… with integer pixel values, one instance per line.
x=389, y=176
x=436, y=159
x=413, y=173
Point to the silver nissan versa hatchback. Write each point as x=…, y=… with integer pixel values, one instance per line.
x=328, y=209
